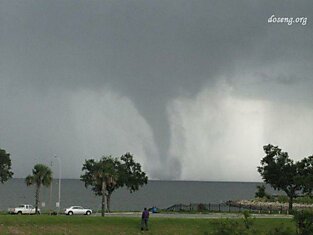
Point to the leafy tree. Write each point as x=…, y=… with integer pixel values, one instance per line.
x=306, y=172
x=278, y=170
x=42, y=175
x=261, y=193
x=5, y=166
x=108, y=174
x=101, y=176
x=130, y=175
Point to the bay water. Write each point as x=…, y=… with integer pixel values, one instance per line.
x=161, y=194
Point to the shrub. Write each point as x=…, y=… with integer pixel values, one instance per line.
x=304, y=200
x=282, y=199
x=236, y=227
x=281, y=230
x=247, y=220
x=245, y=227
x=201, y=207
x=304, y=221
x=230, y=227
x=260, y=191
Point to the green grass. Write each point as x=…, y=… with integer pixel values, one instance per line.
x=78, y=225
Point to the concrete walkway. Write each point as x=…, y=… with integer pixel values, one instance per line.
x=195, y=216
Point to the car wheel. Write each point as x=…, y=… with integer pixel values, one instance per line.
x=88, y=212
x=70, y=213
x=19, y=213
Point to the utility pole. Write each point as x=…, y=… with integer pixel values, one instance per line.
x=60, y=176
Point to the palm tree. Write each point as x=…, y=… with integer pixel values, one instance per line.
x=110, y=183
x=42, y=175
x=102, y=176
x=105, y=175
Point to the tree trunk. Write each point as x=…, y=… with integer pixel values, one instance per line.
x=108, y=201
x=103, y=206
x=290, y=202
x=37, y=198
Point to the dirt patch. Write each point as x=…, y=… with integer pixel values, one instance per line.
x=55, y=229
x=15, y=230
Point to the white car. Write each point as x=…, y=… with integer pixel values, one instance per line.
x=77, y=210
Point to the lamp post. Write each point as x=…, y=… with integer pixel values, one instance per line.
x=50, y=207
x=60, y=176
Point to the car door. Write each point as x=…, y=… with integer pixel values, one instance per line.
x=80, y=210
x=74, y=209
x=27, y=209
x=31, y=209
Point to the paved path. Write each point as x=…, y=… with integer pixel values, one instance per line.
x=194, y=216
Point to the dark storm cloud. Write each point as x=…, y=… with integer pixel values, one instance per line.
x=153, y=52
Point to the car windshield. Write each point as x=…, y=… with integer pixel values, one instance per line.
x=21, y=206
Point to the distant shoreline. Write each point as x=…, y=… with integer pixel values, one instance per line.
x=156, y=180
x=271, y=205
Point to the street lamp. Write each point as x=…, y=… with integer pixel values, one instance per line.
x=60, y=176
x=50, y=196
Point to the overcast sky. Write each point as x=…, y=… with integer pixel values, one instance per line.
x=193, y=89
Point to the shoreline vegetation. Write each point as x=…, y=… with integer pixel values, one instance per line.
x=254, y=204
x=273, y=205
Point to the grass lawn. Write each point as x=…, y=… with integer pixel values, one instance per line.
x=44, y=224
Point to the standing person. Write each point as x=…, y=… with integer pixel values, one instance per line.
x=144, y=219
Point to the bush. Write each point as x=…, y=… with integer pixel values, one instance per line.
x=235, y=227
x=247, y=220
x=246, y=227
x=304, y=221
x=201, y=207
x=282, y=199
x=304, y=200
x=230, y=227
x=281, y=230
x=261, y=193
